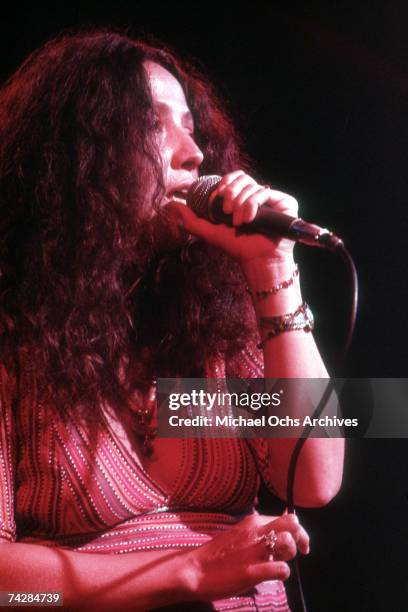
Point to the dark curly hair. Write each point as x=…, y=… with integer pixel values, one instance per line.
x=85, y=297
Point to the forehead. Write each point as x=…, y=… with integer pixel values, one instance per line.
x=166, y=89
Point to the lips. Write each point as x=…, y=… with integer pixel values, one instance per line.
x=178, y=194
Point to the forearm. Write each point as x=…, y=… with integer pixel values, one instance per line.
x=135, y=581
x=294, y=354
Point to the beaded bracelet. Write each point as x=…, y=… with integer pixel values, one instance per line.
x=262, y=294
x=302, y=318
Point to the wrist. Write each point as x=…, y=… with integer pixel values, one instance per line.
x=300, y=319
x=261, y=270
x=274, y=285
x=284, y=302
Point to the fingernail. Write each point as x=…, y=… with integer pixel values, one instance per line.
x=284, y=571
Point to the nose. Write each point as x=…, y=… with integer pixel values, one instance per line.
x=187, y=155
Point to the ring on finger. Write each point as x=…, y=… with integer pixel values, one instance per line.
x=269, y=539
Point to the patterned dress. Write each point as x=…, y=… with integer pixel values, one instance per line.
x=62, y=485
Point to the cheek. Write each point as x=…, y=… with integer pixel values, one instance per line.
x=166, y=156
x=166, y=145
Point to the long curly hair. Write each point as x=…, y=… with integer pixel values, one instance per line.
x=85, y=297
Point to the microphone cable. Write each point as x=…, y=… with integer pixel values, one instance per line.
x=351, y=321
x=197, y=199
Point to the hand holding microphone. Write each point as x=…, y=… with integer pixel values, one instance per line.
x=206, y=199
x=266, y=219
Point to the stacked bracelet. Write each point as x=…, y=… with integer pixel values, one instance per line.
x=302, y=318
x=262, y=294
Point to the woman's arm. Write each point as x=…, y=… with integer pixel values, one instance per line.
x=136, y=581
x=267, y=262
x=229, y=564
x=294, y=354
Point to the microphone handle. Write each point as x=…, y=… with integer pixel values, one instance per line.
x=273, y=224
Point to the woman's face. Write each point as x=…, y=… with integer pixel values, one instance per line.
x=180, y=155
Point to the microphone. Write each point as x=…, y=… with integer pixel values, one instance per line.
x=267, y=221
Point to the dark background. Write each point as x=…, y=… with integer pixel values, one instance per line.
x=319, y=93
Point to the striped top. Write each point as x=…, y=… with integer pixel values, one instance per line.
x=86, y=489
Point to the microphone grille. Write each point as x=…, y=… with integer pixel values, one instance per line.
x=199, y=192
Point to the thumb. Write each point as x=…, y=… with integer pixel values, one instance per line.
x=191, y=222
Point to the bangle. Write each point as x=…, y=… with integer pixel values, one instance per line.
x=302, y=318
x=262, y=294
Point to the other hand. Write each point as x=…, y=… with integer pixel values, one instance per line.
x=238, y=559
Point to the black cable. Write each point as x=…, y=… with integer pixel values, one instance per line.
x=322, y=404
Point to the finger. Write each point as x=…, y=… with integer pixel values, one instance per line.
x=299, y=533
x=286, y=522
x=200, y=227
x=281, y=548
x=285, y=547
x=230, y=193
x=302, y=540
x=246, y=204
x=245, y=214
x=230, y=190
x=282, y=202
x=268, y=570
x=223, y=183
x=289, y=522
x=229, y=178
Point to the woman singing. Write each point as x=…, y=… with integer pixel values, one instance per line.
x=108, y=282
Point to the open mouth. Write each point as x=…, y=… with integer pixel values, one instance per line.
x=178, y=196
